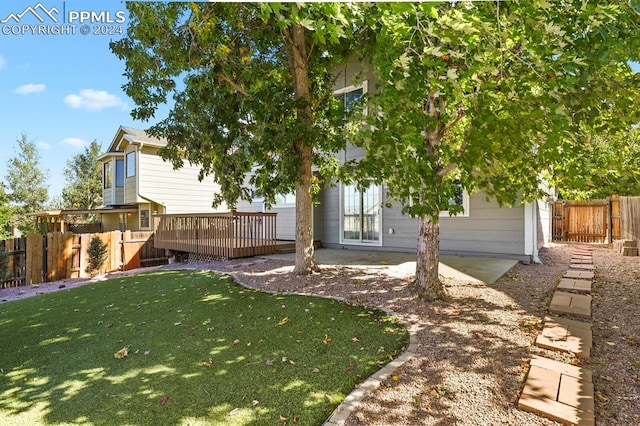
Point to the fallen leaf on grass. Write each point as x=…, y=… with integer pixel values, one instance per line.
x=255, y=402
x=283, y=419
x=147, y=352
x=351, y=366
x=208, y=363
x=164, y=400
x=283, y=321
x=124, y=352
x=269, y=362
x=235, y=342
x=233, y=412
x=326, y=340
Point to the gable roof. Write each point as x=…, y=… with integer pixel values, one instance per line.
x=128, y=135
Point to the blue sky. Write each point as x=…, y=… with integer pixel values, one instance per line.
x=62, y=90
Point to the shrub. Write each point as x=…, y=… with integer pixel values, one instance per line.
x=97, y=253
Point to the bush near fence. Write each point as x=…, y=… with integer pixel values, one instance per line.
x=43, y=258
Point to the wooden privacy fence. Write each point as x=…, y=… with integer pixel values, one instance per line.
x=629, y=212
x=594, y=221
x=40, y=258
x=222, y=235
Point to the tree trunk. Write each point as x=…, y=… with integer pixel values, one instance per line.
x=427, y=283
x=296, y=42
x=305, y=262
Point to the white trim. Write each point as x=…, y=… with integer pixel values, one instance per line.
x=341, y=239
x=531, y=231
x=465, y=207
x=364, y=85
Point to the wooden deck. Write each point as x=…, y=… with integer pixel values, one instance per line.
x=224, y=235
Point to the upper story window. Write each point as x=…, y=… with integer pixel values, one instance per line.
x=119, y=173
x=351, y=97
x=131, y=164
x=107, y=176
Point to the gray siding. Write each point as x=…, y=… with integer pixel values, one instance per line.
x=179, y=191
x=489, y=228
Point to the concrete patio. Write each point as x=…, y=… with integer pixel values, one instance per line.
x=475, y=269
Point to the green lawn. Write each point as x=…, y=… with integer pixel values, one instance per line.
x=202, y=351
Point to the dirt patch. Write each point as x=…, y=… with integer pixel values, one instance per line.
x=474, y=349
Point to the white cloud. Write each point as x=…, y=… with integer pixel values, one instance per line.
x=74, y=142
x=93, y=100
x=27, y=89
x=3, y=62
x=44, y=145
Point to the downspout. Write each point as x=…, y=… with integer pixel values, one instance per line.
x=534, y=253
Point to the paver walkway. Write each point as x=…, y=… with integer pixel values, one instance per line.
x=564, y=302
x=553, y=389
x=579, y=275
x=559, y=391
x=582, y=286
x=565, y=335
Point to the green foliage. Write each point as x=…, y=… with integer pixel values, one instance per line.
x=83, y=175
x=6, y=214
x=241, y=110
x=97, y=254
x=604, y=165
x=490, y=94
x=27, y=184
x=201, y=350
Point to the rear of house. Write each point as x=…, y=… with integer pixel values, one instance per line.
x=138, y=184
x=345, y=217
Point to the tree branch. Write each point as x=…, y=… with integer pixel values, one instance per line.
x=233, y=84
x=449, y=167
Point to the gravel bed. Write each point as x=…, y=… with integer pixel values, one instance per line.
x=474, y=348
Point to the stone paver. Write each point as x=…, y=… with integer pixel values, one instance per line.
x=558, y=391
x=583, y=286
x=579, y=275
x=582, y=266
x=565, y=335
x=570, y=303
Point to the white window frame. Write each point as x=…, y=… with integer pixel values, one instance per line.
x=289, y=201
x=364, y=85
x=465, y=206
x=342, y=240
x=128, y=162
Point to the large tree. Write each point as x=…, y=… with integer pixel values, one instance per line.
x=256, y=93
x=6, y=214
x=27, y=183
x=487, y=96
x=606, y=165
x=83, y=175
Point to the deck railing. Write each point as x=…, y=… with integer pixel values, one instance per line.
x=224, y=235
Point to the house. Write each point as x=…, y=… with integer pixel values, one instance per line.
x=348, y=218
x=138, y=183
